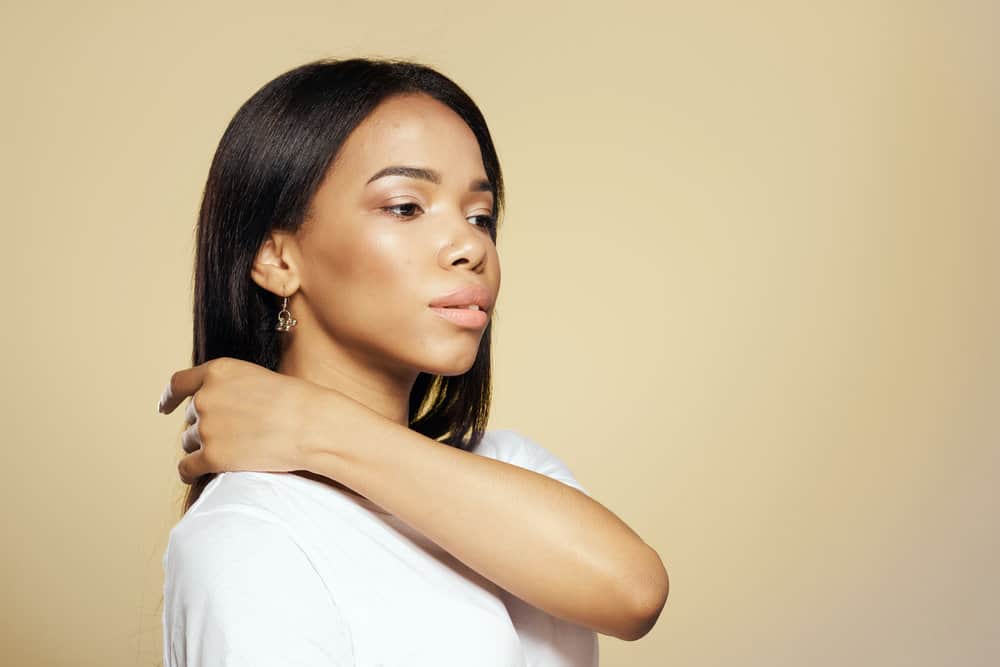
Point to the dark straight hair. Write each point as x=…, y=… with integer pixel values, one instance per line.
x=267, y=166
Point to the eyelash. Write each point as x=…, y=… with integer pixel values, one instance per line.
x=490, y=220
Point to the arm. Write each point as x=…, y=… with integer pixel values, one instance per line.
x=542, y=540
x=238, y=592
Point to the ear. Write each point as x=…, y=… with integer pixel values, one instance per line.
x=275, y=266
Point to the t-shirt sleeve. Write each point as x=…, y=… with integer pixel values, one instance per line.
x=240, y=592
x=514, y=447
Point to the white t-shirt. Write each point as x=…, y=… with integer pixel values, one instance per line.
x=278, y=569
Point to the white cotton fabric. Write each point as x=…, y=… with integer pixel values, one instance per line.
x=277, y=569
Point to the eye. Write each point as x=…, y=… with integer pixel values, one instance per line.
x=392, y=208
x=487, y=220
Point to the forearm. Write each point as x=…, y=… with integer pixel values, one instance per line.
x=534, y=536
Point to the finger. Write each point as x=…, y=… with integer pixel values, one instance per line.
x=191, y=438
x=193, y=466
x=191, y=413
x=182, y=384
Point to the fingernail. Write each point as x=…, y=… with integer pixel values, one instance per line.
x=163, y=398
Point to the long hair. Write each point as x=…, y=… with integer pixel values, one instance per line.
x=267, y=166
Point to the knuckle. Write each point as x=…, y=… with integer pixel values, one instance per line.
x=202, y=426
x=221, y=365
x=211, y=370
x=209, y=458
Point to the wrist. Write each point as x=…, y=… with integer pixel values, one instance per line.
x=331, y=427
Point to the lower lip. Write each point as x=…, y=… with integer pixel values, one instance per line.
x=464, y=317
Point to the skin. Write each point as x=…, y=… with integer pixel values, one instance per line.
x=359, y=278
x=359, y=275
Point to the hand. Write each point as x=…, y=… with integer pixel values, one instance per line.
x=241, y=416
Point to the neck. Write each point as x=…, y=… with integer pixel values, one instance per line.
x=367, y=380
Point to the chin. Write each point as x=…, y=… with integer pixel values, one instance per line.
x=452, y=373
x=453, y=365
x=450, y=370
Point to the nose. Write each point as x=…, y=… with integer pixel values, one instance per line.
x=465, y=243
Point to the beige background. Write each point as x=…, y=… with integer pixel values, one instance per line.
x=750, y=296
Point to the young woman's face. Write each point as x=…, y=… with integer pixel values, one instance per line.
x=375, y=253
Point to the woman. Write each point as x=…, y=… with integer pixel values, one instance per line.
x=347, y=505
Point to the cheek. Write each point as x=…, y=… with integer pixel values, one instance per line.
x=364, y=281
x=384, y=267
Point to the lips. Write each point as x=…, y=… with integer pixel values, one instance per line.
x=465, y=296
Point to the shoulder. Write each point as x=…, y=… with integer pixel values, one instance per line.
x=229, y=537
x=514, y=447
x=238, y=584
x=219, y=554
x=232, y=510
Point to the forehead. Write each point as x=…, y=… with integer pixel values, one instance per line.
x=413, y=129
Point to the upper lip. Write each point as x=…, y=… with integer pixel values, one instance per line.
x=466, y=296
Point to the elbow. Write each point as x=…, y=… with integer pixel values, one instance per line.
x=648, y=601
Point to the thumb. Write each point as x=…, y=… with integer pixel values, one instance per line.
x=193, y=466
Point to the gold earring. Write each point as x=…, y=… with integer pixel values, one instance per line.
x=285, y=319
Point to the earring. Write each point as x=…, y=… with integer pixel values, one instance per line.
x=285, y=319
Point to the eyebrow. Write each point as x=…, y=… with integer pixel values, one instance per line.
x=477, y=185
